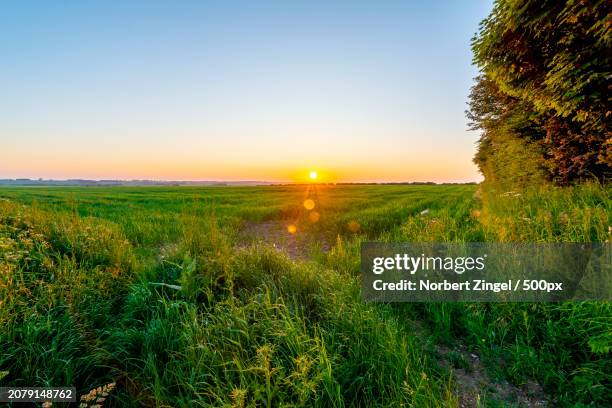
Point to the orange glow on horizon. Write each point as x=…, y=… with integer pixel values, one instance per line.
x=125, y=166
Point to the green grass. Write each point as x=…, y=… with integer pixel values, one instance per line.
x=157, y=290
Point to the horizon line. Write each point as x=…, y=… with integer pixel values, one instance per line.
x=166, y=181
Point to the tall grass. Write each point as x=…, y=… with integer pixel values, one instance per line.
x=153, y=289
x=204, y=324
x=564, y=346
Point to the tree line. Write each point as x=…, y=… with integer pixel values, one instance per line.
x=542, y=99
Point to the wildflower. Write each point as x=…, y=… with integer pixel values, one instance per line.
x=238, y=397
x=97, y=395
x=303, y=365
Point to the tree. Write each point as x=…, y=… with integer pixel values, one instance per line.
x=545, y=83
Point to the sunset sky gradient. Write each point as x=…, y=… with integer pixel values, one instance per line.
x=229, y=90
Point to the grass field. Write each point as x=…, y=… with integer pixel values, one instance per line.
x=200, y=297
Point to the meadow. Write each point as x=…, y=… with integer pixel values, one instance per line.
x=200, y=296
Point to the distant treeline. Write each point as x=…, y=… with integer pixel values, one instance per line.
x=103, y=183
x=542, y=99
x=84, y=182
x=374, y=183
x=404, y=183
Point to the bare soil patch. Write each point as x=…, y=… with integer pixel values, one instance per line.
x=298, y=245
x=474, y=386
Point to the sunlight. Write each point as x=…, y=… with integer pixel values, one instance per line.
x=309, y=204
x=313, y=175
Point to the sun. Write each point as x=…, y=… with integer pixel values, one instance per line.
x=313, y=175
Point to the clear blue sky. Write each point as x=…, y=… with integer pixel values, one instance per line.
x=237, y=89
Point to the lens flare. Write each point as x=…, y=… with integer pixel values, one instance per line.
x=354, y=226
x=309, y=204
x=291, y=228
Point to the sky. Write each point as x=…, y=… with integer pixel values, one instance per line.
x=237, y=90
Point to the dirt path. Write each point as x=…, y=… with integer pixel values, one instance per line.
x=299, y=245
x=475, y=388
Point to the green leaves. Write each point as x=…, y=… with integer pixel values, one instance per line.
x=547, y=66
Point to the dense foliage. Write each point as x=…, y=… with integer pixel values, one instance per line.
x=542, y=100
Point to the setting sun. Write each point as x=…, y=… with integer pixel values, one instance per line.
x=313, y=175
